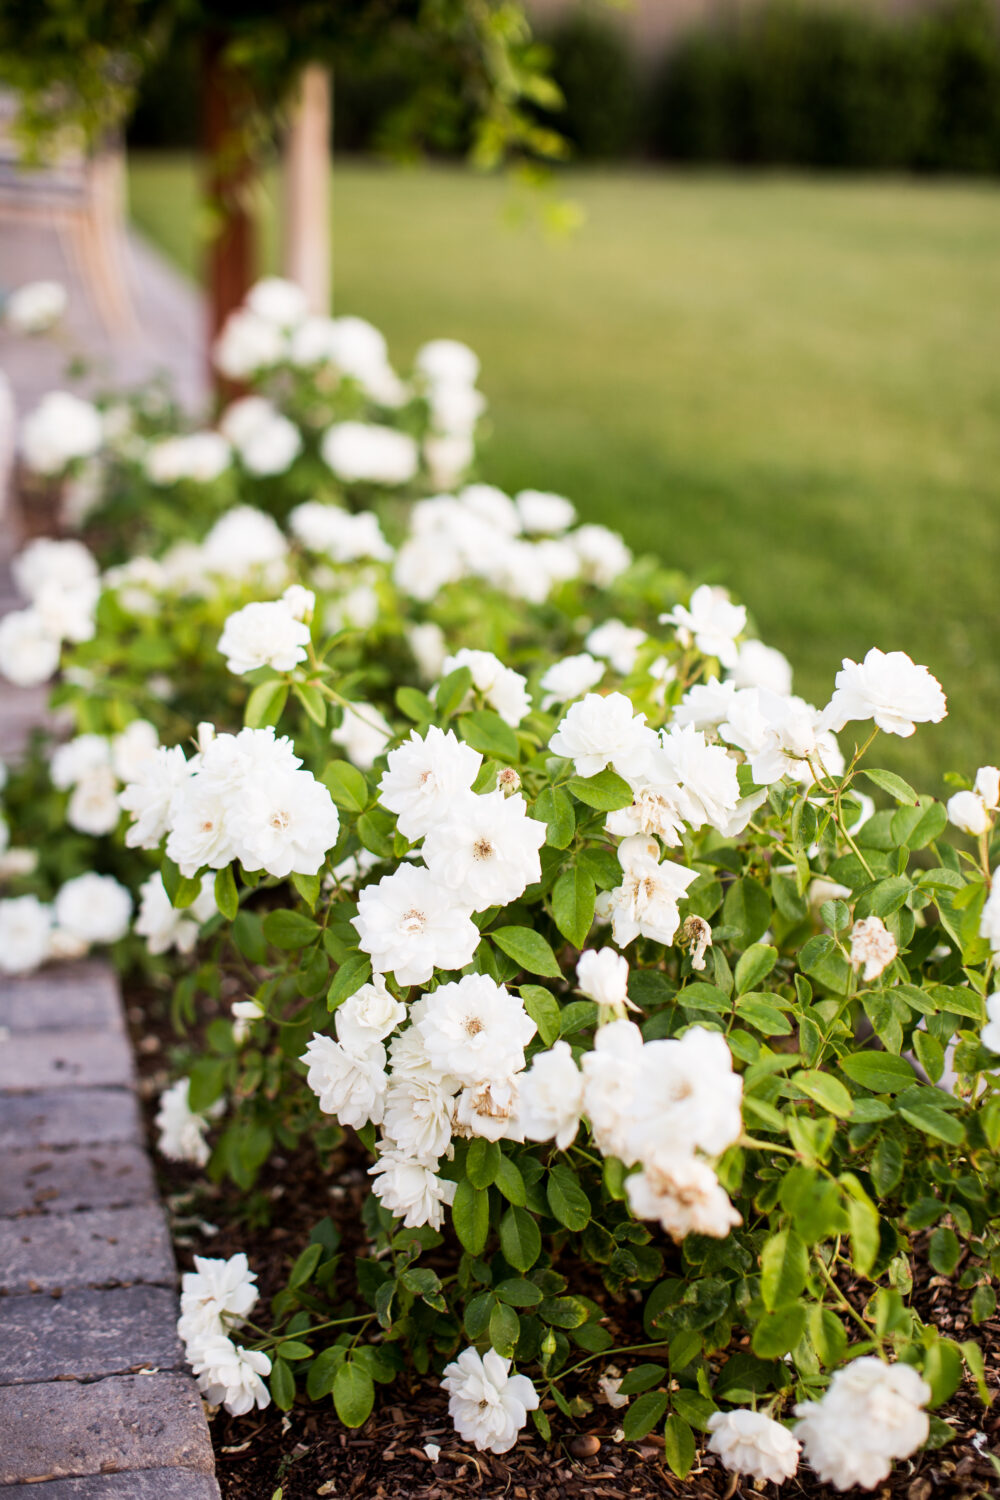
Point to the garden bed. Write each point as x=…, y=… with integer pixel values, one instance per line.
x=308, y=1452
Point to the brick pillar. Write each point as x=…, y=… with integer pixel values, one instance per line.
x=232, y=249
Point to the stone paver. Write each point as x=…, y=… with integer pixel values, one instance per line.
x=47, y=1181
x=137, y=1484
x=62, y=1428
x=88, y=1333
x=31, y=1061
x=73, y=995
x=68, y=1117
x=97, y=1247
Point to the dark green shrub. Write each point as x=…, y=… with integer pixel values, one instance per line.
x=601, y=83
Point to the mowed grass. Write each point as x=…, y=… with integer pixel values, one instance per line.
x=788, y=385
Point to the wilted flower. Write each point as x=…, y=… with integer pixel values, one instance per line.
x=871, y=1414
x=872, y=945
x=751, y=1443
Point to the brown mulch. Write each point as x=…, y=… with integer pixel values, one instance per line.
x=306, y=1453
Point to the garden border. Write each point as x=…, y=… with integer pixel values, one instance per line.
x=93, y=1394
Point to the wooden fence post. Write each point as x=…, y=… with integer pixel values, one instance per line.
x=306, y=163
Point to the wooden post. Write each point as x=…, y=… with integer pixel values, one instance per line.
x=231, y=250
x=306, y=249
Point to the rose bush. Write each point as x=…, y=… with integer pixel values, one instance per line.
x=638, y=988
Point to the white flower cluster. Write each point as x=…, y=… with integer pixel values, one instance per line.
x=653, y=1104
x=482, y=533
x=272, y=634
x=60, y=581
x=91, y=768
x=870, y=1414
x=265, y=440
x=88, y=909
x=242, y=796
x=216, y=1299
x=181, y=1129
x=454, y=1069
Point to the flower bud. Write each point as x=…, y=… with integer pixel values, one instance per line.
x=508, y=781
x=967, y=811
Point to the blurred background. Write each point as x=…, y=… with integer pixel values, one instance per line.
x=769, y=347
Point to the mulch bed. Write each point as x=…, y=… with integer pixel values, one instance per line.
x=307, y=1453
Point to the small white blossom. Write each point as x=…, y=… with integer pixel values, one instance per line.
x=93, y=806
x=617, y=643
x=338, y=534
x=363, y=734
x=248, y=343
x=196, y=456
x=888, y=688
x=872, y=945
x=368, y=1016
x=25, y=928
x=182, y=1131
x=751, y=1443
x=29, y=653
x=602, y=731
x=229, y=1375
x=411, y=925
x=645, y=904
x=711, y=622
x=870, y=1415
x=411, y=1190
x=474, y=1030
x=684, y=1195
x=542, y=513
x=351, y=1086
x=241, y=541
x=133, y=748
x=485, y=849
x=602, y=554
x=990, y=1034
x=551, y=1097
x=361, y=452
x=61, y=428
x=968, y=812
x=424, y=777
x=503, y=689
x=603, y=977
x=218, y=1295
x=418, y=1115
x=987, y=786
x=278, y=300
x=487, y=1404
x=94, y=908
x=263, y=635
x=762, y=666
x=570, y=677
x=989, y=921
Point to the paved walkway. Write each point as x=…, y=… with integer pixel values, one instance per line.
x=95, y=1403
x=93, y=1394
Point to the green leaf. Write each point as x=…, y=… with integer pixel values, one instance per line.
x=678, y=1445
x=916, y=827
x=452, y=691
x=510, y=1182
x=505, y=1329
x=754, y=965
x=308, y=887
x=312, y=701
x=983, y=1303
x=248, y=935
x=265, y=704
x=293, y=1349
x=784, y=1266
x=694, y=1407
x=887, y=1165
x=933, y=1122
x=470, y=1214
x=606, y=792
x=305, y=1265
x=346, y=786
x=889, y=782
x=484, y=730
x=543, y=1008
x=528, y=949
x=578, y=1015
x=520, y=1239
x=282, y=1384
x=862, y=1216
x=943, y=1370
x=828, y=1336
x=555, y=809
x=289, y=929
x=226, y=895
x=826, y=1091
x=350, y=976
x=518, y=1292
x=747, y=909
x=643, y=1415
x=642, y=1378
x=375, y=830
x=880, y=1072
x=414, y=704
x=353, y=1394
x=573, y=899
x=778, y=1332
x=323, y=1371
x=566, y=1198
x=482, y=1161
x=944, y=1251
x=762, y=1015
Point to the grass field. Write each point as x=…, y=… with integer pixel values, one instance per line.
x=788, y=385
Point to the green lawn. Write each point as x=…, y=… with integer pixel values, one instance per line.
x=789, y=385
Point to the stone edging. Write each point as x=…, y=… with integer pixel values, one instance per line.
x=94, y=1400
